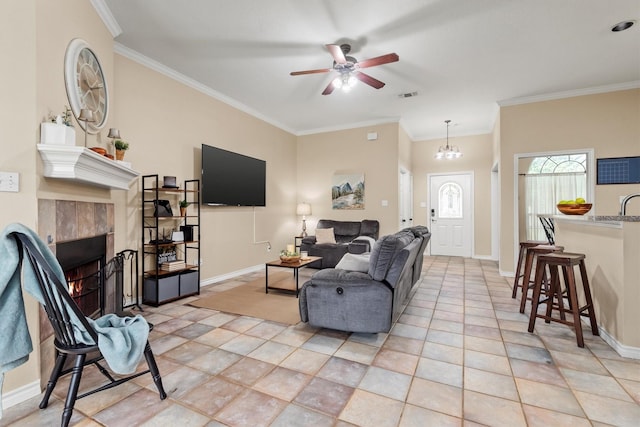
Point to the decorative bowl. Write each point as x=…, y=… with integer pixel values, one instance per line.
x=99, y=150
x=290, y=259
x=575, y=209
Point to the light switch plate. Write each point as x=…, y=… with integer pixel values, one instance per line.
x=9, y=181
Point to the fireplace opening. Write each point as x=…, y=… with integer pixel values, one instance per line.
x=83, y=262
x=84, y=284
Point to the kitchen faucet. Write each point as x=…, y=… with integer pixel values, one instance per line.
x=623, y=204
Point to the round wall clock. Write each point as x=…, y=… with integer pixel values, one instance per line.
x=86, y=85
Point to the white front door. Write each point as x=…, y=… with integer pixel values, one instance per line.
x=451, y=214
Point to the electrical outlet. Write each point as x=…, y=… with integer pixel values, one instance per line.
x=9, y=181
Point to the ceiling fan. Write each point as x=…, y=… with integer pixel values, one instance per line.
x=348, y=68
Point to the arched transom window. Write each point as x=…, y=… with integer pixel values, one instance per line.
x=559, y=164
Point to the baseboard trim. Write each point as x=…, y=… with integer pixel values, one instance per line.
x=231, y=275
x=506, y=273
x=484, y=257
x=621, y=349
x=21, y=394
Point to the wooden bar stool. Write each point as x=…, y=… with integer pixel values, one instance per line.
x=532, y=253
x=524, y=246
x=567, y=261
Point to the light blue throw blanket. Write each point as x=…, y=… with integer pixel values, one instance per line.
x=121, y=339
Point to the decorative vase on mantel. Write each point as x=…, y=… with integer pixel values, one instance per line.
x=120, y=154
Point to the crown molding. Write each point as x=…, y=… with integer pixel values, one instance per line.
x=570, y=93
x=348, y=126
x=107, y=17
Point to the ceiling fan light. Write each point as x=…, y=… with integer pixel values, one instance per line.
x=351, y=80
x=337, y=82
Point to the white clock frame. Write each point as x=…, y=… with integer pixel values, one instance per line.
x=79, y=54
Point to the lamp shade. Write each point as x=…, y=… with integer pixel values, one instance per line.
x=114, y=133
x=86, y=115
x=303, y=209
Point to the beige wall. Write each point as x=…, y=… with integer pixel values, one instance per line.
x=166, y=122
x=477, y=157
x=609, y=123
x=18, y=121
x=404, y=149
x=348, y=151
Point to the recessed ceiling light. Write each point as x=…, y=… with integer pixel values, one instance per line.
x=621, y=26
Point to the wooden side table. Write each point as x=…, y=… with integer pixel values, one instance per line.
x=294, y=265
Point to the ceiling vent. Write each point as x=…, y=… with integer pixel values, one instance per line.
x=408, y=95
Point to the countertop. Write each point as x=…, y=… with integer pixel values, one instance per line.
x=614, y=221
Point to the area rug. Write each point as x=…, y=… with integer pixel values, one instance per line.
x=250, y=299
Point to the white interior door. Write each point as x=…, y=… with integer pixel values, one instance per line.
x=406, y=199
x=451, y=214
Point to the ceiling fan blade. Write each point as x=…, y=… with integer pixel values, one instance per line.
x=365, y=78
x=336, y=52
x=379, y=60
x=320, y=70
x=328, y=89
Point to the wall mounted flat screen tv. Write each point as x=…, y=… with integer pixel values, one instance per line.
x=232, y=179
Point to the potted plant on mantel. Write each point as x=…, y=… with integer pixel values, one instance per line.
x=183, y=207
x=121, y=147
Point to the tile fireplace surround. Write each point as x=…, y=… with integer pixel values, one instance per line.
x=60, y=221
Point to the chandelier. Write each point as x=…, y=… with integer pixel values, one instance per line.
x=449, y=151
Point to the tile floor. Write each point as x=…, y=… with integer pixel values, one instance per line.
x=459, y=355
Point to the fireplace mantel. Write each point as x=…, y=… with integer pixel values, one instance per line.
x=81, y=164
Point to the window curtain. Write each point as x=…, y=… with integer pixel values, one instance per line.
x=542, y=194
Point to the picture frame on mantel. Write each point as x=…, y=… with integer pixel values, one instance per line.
x=347, y=191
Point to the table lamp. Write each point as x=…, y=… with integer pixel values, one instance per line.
x=303, y=209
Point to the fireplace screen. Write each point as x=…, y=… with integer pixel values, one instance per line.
x=99, y=287
x=85, y=285
x=83, y=263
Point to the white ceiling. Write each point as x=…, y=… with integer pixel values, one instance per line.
x=463, y=57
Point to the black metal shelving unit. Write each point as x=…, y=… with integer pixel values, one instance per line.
x=161, y=286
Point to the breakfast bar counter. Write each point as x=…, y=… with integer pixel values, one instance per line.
x=612, y=248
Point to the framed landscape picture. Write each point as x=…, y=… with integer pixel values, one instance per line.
x=347, y=191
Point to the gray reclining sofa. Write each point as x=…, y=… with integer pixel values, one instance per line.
x=368, y=302
x=346, y=235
